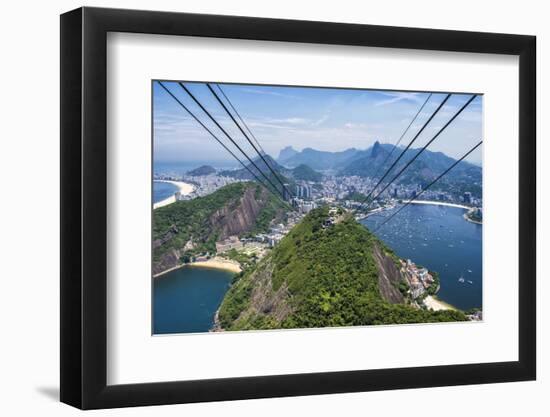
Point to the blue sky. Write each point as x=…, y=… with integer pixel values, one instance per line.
x=319, y=118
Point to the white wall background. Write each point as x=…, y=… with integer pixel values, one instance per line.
x=29, y=219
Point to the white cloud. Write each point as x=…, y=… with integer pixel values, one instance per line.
x=321, y=120
x=395, y=97
x=269, y=93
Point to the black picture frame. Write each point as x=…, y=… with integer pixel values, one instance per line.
x=84, y=207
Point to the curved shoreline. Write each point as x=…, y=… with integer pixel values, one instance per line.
x=431, y=301
x=435, y=304
x=184, y=188
x=440, y=203
x=213, y=263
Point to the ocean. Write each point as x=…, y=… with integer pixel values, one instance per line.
x=163, y=190
x=436, y=237
x=185, y=300
x=440, y=239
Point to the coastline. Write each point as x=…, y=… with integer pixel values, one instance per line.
x=435, y=304
x=214, y=263
x=184, y=188
x=219, y=263
x=465, y=215
x=440, y=203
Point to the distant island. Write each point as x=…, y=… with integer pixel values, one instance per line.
x=202, y=170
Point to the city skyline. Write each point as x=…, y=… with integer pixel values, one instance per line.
x=325, y=119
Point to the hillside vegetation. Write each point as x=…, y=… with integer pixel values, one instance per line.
x=318, y=276
x=306, y=173
x=188, y=228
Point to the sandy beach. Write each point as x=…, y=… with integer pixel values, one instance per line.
x=183, y=187
x=219, y=263
x=216, y=263
x=435, y=304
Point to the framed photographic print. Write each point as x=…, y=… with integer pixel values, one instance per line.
x=257, y=208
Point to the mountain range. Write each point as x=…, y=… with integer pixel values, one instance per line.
x=321, y=160
x=374, y=161
x=300, y=172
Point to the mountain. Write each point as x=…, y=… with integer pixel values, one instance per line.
x=192, y=227
x=202, y=170
x=367, y=163
x=320, y=160
x=244, y=174
x=286, y=153
x=373, y=163
x=324, y=275
x=305, y=173
x=282, y=173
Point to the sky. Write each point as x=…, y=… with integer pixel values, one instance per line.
x=328, y=119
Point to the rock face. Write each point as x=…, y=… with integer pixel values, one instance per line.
x=389, y=277
x=286, y=153
x=230, y=221
x=167, y=261
x=264, y=299
x=193, y=227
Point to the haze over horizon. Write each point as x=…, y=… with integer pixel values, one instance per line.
x=324, y=119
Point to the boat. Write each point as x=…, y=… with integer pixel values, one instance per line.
x=461, y=279
x=470, y=271
x=470, y=282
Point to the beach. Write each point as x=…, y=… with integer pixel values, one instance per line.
x=183, y=188
x=439, y=203
x=219, y=263
x=436, y=305
x=215, y=263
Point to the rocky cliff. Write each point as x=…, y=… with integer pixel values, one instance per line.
x=236, y=219
x=190, y=228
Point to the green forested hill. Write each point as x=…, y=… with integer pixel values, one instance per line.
x=317, y=277
x=191, y=227
x=306, y=173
